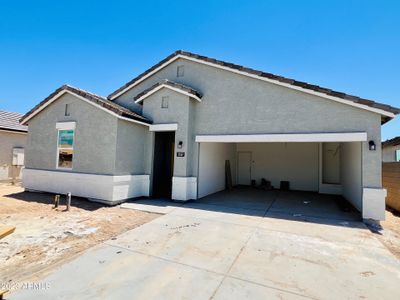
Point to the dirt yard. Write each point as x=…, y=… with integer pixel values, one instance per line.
x=390, y=235
x=46, y=237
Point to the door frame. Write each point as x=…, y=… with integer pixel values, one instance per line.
x=172, y=159
x=237, y=165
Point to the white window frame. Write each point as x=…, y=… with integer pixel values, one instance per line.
x=64, y=126
x=397, y=155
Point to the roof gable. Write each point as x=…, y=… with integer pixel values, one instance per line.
x=385, y=110
x=179, y=88
x=96, y=100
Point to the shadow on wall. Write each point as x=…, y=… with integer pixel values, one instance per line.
x=48, y=198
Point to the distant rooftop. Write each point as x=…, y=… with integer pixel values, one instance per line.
x=10, y=121
x=392, y=142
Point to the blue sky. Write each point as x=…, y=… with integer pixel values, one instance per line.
x=350, y=46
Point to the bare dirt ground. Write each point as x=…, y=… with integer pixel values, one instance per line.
x=390, y=235
x=46, y=237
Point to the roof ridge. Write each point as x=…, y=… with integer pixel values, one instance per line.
x=67, y=86
x=96, y=99
x=277, y=78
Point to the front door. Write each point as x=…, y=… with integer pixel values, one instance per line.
x=244, y=168
x=163, y=168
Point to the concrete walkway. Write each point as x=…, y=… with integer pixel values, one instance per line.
x=222, y=249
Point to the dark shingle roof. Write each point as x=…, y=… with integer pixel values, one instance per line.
x=392, y=142
x=282, y=79
x=99, y=100
x=172, y=84
x=10, y=121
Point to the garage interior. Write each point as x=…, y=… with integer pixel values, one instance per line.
x=324, y=178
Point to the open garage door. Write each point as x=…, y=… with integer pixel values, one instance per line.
x=322, y=162
x=296, y=163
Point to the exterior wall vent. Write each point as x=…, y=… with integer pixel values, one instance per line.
x=180, y=71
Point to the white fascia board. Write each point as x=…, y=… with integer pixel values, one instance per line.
x=12, y=131
x=58, y=95
x=168, y=87
x=337, y=99
x=55, y=97
x=283, y=138
x=164, y=127
x=66, y=125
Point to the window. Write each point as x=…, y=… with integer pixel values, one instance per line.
x=66, y=110
x=180, y=71
x=65, y=148
x=398, y=155
x=164, y=102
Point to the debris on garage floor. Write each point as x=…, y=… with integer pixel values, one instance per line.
x=45, y=237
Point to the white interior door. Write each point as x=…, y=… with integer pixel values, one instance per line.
x=244, y=168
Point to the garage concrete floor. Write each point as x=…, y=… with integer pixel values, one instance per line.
x=232, y=245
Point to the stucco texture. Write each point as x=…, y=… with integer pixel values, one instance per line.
x=8, y=141
x=180, y=111
x=389, y=153
x=236, y=104
x=99, y=136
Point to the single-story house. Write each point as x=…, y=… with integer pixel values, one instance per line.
x=169, y=132
x=12, y=142
x=391, y=150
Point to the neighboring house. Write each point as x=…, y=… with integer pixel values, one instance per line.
x=169, y=131
x=391, y=150
x=12, y=142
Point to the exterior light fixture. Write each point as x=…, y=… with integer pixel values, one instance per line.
x=372, y=146
x=180, y=145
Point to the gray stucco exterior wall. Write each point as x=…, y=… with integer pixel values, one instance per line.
x=8, y=141
x=94, y=142
x=180, y=110
x=389, y=153
x=235, y=104
x=131, y=143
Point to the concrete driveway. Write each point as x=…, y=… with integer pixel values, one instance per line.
x=276, y=246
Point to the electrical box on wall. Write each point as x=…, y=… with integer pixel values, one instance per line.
x=18, y=157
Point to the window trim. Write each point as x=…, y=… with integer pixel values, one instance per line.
x=397, y=155
x=70, y=148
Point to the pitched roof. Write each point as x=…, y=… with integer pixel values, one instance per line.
x=392, y=142
x=96, y=99
x=262, y=75
x=180, y=88
x=10, y=121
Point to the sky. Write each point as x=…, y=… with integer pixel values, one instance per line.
x=349, y=46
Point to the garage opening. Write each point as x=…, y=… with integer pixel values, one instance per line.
x=320, y=167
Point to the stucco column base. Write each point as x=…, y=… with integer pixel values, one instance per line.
x=184, y=188
x=374, y=204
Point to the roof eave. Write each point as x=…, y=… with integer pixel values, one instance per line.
x=158, y=87
x=279, y=80
x=68, y=89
